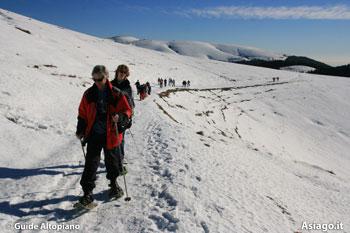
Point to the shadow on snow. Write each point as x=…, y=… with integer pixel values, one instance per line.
x=42, y=207
x=18, y=173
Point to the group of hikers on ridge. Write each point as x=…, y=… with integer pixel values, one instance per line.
x=104, y=114
x=163, y=82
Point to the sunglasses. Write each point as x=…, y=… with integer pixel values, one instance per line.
x=123, y=72
x=98, y=80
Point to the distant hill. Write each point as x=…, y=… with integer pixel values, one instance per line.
x=320, y=68
x=220, y=52
x=334, y=71
x=290, y=61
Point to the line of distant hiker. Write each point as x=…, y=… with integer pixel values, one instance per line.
x=163, y=82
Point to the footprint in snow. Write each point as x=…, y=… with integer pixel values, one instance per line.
x=166, y=221
x=205, y=227
x=316, y=122
x=170, y=200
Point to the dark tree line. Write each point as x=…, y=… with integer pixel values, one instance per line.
x=320, y=67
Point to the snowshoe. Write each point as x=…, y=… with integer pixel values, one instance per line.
x=86, y=207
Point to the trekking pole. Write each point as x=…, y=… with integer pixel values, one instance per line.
x=137, y=149
x=121, y=158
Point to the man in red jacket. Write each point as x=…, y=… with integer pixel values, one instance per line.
x=101, y=108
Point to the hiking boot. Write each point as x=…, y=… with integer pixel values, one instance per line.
x=86, y=199
x=115, y=191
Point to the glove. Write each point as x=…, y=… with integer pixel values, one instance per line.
x=122, y=122
x=81, y=126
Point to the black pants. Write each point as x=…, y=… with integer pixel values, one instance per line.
x=95, y=144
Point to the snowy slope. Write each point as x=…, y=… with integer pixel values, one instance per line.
x=220, y=52
x=302, y=69
x=235, y=152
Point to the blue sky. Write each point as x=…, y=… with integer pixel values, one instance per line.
x=318, y=29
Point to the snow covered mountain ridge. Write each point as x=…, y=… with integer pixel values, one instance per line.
x=220, y=52
x=235, y=152
x=238, y=54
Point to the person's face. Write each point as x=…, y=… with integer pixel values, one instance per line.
x=121, y=75
x=99, y=80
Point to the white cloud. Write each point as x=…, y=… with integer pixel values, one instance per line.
x=300, y=12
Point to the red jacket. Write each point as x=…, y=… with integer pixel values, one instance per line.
x=115, y=103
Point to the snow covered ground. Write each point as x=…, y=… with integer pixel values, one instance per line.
x=235, y=152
